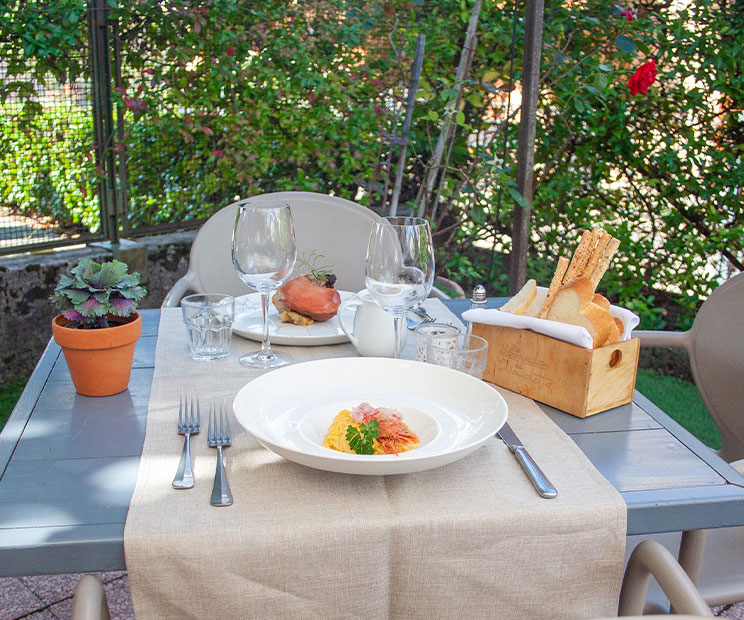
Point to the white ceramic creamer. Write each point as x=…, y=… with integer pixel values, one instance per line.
x=374, y=329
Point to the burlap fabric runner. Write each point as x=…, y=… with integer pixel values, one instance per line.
x=467, y=540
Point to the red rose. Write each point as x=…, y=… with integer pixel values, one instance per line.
x=644, y=76
x=230, y=51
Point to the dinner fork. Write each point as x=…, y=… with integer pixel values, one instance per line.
x=218, y=435
x=189, y=423
x=424, y=314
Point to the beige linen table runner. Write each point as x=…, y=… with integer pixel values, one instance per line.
x=467, y=540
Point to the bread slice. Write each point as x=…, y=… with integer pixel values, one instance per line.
x=536, y=306
x=573, y=305
x=582, y=255
x=555, y=285
x=519, y=303
x=615, y=333
x=601, y=301
x=604, y=261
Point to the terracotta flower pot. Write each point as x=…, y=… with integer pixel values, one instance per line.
x=100, y=360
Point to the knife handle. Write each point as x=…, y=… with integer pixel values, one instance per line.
x=542, y=484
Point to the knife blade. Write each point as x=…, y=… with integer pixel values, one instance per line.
x=535, y=474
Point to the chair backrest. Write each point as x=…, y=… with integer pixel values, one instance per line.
x=717, y=359
x=334, y=227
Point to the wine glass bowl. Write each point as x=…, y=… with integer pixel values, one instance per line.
x=263, y=254
x=400, y=267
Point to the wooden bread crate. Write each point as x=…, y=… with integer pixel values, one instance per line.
x=579, y=381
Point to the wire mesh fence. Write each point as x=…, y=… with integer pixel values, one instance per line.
x=47, y=173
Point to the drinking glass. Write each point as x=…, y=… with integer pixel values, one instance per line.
x=263, y=254
x=209, y=319
x=400, y=267
x=441, y=334
x=466, y=353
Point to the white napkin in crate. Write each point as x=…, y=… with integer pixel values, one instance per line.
x=562, y=331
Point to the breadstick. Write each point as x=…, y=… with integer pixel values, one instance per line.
x=604, y=261
x=588, y=270
x=582, y=255
x=555, y=285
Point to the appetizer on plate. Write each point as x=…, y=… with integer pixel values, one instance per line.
x=307, y=298
x=370, y=430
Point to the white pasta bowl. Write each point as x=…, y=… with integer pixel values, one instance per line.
x=289, y=411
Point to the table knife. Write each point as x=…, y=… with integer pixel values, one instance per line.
x=538, y=478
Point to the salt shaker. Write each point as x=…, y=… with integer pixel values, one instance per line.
x=478, y=300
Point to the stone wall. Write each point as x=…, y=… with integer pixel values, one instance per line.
x=27, y=280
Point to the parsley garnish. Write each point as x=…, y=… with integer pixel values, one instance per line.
x=361, y=439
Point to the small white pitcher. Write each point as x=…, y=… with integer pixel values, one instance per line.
x=374, y=329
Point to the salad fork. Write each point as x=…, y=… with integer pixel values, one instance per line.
x=218, y=435
x=189, y=423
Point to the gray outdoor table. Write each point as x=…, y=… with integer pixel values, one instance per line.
x=68, y=467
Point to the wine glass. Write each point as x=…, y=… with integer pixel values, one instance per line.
x=263, y=254
x=400, y=267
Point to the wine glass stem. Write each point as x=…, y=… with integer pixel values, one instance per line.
x=265, y=344
x=399, y=327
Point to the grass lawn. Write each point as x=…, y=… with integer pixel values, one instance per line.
x=681, y=401
x=677, y=398
x=10, y=392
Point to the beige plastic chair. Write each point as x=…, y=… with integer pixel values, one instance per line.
x=89, y=601
x=715, y=344
x=651, y=559
x=334, y=227
x=714, y=559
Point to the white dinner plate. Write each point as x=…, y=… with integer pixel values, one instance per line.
x=289, y=410
x=249, y=324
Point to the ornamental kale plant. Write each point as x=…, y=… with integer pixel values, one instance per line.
x=95, y=293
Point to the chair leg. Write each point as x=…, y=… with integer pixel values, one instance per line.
x=691, y=549
x=651, y=558
x=89, y=602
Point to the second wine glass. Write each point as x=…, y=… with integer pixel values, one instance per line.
x=263, y=254
x=400, y=267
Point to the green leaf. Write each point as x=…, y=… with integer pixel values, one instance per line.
x=112, y=272
x=361, y=440
x=76, y=297
x=518, y=198
x=625, y=44
x=449, y=94
x=601, y=81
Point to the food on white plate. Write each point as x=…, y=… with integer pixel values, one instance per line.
x=307, y=298
x=572, y=297
x=370, y=430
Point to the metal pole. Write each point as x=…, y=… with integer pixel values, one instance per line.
x=103, y=118
x=122, y=203
x=526, y=149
